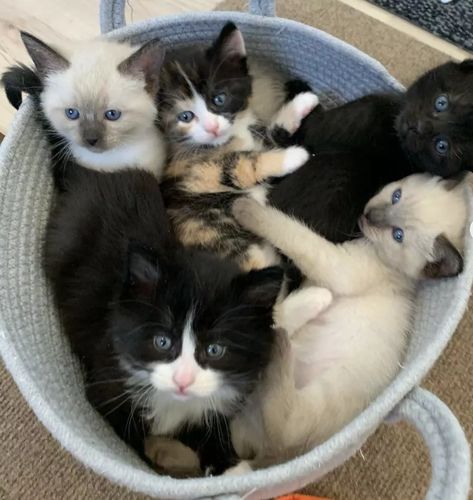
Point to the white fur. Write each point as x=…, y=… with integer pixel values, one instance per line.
x=295, y=157
x=346, y=339
x=290, y=116
x=168, y=407
x=93, y=84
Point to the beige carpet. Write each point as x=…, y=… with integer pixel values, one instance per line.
x=393, y=464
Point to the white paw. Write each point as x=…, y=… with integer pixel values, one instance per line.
x=292, y=113
x=295, y=157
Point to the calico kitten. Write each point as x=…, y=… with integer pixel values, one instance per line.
x=349, y=323
x=209, y=96
x=171, y=341
x=365, y=144
x=97, y=98
x=218, y=154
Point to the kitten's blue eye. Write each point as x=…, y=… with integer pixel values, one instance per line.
x=441, y=103
x=441, y=146
x=398, y=234
x=72, y=113
x=112, y=114
x=219, y=99
x=215, y=351
x=162, y=343
x=185, y=116
x=396, y=196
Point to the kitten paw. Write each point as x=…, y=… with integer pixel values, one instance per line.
x=172, y=457
x=242, y=467
x=292, y=113
x=294, y=158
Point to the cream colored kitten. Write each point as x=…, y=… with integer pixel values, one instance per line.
x=348, y=325
x=99, y=96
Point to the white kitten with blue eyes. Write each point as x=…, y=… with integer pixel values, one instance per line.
x=99, y=96
x=348, y=325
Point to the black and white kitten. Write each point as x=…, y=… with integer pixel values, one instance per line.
x=171, y=340
x=97, y=99
x=365, y=144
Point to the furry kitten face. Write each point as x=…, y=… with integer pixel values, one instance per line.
x=100, y=94
x=437, y=118
x=417, y=225
x=205, y=91
x=199, y=344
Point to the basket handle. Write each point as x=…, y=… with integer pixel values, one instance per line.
x=448, y=447
x=112, y=12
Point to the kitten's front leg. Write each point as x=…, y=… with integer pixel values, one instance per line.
x=245, y=170
x=300, y=307
x=332, y=266
x=172, y=457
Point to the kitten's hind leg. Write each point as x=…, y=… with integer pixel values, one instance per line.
x=300, y=307
x=291, y=114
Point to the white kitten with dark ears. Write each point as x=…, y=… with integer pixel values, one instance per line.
x=348, y=325
x=99, y=96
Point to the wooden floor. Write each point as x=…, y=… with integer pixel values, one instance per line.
x=53, y=19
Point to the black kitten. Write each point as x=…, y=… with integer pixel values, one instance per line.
x=365, y=144
x=171, y=340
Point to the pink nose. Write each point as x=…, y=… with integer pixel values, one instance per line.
x=183, y=379
x=211, y=126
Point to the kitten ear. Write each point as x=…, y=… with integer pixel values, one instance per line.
x=447, y=261
x=229, y=43
x=142, y=273
x=262, y=287
x=46, y=59
x=145, y=62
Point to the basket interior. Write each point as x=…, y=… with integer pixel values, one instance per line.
x=31, y=341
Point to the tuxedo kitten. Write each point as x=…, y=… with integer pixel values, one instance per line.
x=98, y=97
x=171, y=341
x=348, y=325
x=365, y=144
x=209, y=96
x=207, y=115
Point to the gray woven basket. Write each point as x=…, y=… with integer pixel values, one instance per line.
x=38, y=356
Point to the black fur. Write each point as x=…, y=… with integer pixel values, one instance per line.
x=115, y=270
x=365, y=144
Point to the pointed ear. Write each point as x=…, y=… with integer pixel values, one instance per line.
x=142, y=274
x=229, y=43
x=145, y=62
x=46, y=59
x=454, y=181
x=262, y=287
x=447, y=261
